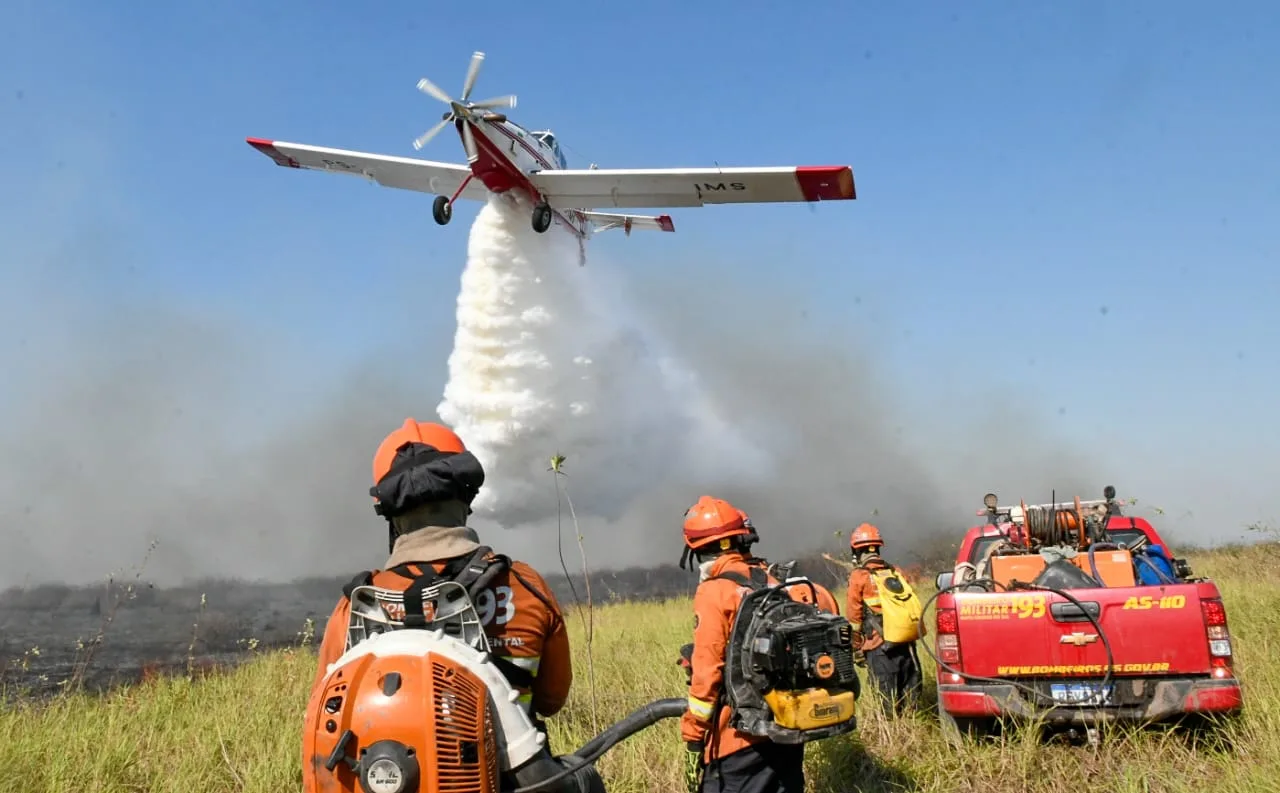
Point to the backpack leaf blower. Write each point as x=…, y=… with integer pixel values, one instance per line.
x=412, y=710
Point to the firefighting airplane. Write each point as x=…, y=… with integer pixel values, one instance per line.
x=502, y=156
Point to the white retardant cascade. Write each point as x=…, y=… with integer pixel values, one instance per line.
x=547, y=360
x=509, y=379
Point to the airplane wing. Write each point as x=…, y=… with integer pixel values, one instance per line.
x=405, y=173
x=604, y=221
x=691, y=187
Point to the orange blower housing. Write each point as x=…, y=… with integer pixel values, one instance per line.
x=425, y=709
x=433, y=728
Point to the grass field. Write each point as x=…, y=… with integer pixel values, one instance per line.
x=239, y=731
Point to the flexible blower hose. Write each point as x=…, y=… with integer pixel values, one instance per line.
x=638, y=719
x=632, y=723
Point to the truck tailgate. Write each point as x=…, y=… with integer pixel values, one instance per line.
x=1153, y=630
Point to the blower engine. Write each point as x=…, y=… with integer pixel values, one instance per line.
x=411, y=710
x=788, y=672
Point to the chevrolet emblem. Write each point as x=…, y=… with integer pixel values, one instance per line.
x=1079, y=639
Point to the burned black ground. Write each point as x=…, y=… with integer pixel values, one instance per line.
x=114, y=633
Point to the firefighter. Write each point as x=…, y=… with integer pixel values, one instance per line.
x=719, y=758
x=424, y=482
x=892, y=669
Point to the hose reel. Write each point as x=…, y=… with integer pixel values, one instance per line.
x=1050, y=525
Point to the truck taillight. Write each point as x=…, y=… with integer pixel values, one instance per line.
x=1214, y=613
x=947, y=622
x=1215, y=620
x=949, y=648
x=948, y=643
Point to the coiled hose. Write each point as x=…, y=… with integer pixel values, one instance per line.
x=632, y=723
x=1018, y=585
x=1052, y=526
x=1049, y=526
x=1161, y=576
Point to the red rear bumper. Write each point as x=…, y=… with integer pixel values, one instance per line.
x=1161, y=700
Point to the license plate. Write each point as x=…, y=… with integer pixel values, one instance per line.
x=1080, y=694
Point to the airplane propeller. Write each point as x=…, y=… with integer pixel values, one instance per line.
x=461, y=109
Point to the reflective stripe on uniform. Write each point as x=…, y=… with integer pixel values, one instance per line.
x=530, y=663
x=857, y=626
x=871, y=601
x=701, y=709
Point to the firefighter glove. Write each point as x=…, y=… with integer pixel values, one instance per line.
x=860, y=658
x=686, y=662
x=693, y=766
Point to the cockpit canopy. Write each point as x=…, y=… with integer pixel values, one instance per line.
x=548, y=139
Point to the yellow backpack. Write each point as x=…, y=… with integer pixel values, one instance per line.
x=900, y=608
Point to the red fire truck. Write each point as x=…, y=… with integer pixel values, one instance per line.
x=1074, y=614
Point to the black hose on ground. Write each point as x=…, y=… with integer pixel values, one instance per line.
x=632, y=723
x=1018, y=585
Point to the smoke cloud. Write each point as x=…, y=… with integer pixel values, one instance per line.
x=143, y=423
x=551, y=357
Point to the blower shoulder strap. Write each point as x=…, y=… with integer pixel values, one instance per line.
x=465, y=570
x=473, y=571
x=363, y=578
x=759, y=578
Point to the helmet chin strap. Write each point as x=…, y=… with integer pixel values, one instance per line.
x=693, y=558
x=392, y=536
x=690, y=559
x=862, y=553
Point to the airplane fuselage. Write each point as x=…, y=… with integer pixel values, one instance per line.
x=508, y=153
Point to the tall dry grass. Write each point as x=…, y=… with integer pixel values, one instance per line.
x=240, y=731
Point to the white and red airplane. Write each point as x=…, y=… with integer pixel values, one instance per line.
x=503, y=157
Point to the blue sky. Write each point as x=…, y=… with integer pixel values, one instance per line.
x=1020, y=166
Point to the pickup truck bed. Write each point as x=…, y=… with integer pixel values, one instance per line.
x=1030, y=653
x=1042, y=656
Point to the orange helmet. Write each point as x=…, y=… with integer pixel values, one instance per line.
x=419, y=463
x=437, y=436
x=713, y=520
x=865, y=536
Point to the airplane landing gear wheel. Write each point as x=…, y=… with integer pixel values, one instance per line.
x=541, y=218
x=442, y=210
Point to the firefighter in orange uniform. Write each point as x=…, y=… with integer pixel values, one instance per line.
x=719, y=758
x=894, y=671
x=424, y=483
